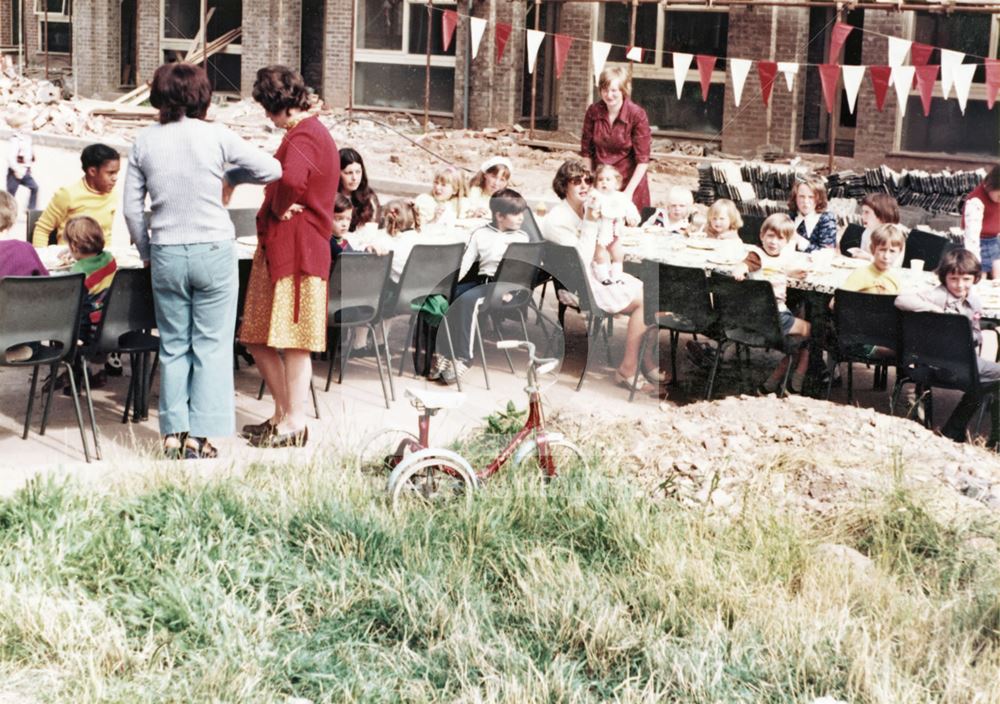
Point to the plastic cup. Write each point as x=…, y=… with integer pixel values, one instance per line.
x=917, y=264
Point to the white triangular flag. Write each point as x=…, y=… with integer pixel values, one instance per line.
x=477, y=25
x=788, y=69
x=963, y=81
x=852, y=82
x=950, y=60
x=535, y=38
x=634, y=54
x=599, y=53
x=682, y=62
x=898, y=48
x=740, y=68
x=902, y=79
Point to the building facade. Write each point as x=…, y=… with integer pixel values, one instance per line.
x=112, y=45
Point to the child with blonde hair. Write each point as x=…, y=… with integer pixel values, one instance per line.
x=724, y=220
x=616, y=211
x=886, y=247
x=673, y=217
x=493, y=176
x=443, y=205
x=400, y=220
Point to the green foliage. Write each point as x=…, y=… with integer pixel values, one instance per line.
x=299, y=581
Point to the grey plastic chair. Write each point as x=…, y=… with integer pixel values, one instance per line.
x=244, y=221
x=43, y=309
x=32, y=220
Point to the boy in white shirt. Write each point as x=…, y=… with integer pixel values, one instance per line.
x=20, y=157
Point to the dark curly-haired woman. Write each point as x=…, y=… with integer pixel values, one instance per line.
x=181, y=164
x=286, y=295
x=354, y=185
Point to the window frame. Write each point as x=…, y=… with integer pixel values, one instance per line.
x=403, y=56
x=40, y=25
x=656, y=71
x=64, y=16
x=976, y=92
x=176, y=44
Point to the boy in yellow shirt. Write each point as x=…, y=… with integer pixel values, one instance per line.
x=880, y=277
x=93, y=195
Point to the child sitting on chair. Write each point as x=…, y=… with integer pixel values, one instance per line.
x=674, y=216
x=401, y=222
x=616, y=211
x=493, y=176
x=887, y=242
x=724, y=220
x=776, y=260
x=487, y=247
x=958, y=272
x=443, y=205
x=17, y=257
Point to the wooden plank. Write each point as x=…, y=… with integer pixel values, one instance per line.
x=659, y=156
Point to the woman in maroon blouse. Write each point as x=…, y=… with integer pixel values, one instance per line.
x=616, y=132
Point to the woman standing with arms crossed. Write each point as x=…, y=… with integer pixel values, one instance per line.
x=181, y=163
x=616, y=132
x=286, y=296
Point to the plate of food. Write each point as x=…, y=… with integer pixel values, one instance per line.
x=848, y=263
x=703, y=243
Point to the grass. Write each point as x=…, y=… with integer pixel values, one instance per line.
x=284, y=581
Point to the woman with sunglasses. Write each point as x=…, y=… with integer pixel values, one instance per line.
x=574, y=222
x=616, y=132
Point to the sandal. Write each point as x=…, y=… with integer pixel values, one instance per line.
x=641, y=385
x=199, y=449
x=173, y=446
x=657, y=376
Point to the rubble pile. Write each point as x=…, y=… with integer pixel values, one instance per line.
x=797, y=453
x=41, y=103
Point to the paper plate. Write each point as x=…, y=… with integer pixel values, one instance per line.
x=846, y=263
x=703, y=243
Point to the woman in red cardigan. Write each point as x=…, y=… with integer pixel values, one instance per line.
x=287, y=293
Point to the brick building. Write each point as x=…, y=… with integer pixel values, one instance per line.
x=112, y=44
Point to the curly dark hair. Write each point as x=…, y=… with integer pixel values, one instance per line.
x=992, y=179
x=366, y=205
x=571, y=170
x=279, y=88
x=179, y=90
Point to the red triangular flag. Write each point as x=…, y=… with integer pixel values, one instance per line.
x=926, y=76
x=828, y=75
x=920, y=54
x=880, y=82
x=767, y=71
x=837, y=38
x=502, y=34
x=562, y=44
x=449, y=20
x=706, y=64
x=992, y=81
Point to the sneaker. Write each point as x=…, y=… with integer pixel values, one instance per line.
x=113, y=364
x=453, y=373
x=438, y=366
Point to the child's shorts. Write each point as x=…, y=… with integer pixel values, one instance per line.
x=787, y=320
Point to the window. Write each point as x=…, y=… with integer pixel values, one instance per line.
x=181, y=23
x=946, y=130
x=59, y=9
x=660, y=32
x=15, y=22
x=391, y=43
x=58, y=35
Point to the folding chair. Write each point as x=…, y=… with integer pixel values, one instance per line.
x=244, y=221
x=358, y=285
x=863, y=319
x=429, y=270
x=563, y=262
x=510, y=293
x=748, y=316
x=750, y=231
x=675, y=298
x=926, y=246
x=43, y=309
x=32, y=220
x=938, y=350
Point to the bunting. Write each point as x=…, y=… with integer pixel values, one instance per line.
x=950, y=60
x=837, y=38
x=682, y=62
x=992, y=81
x=739, y=68
x=881, y=78
x=706, y=64
x=562, y=43
x=767, y=71
x=926, y=76
x=788, y=69
x=449, y=20
x=828, y=75
x=534, y=41
x=963, y=81
x=920, y=54
x=898, y=49
x=634, y=53
x=853, y=76
x=599, y=54
x=477, y=26
x=501, y=34
x=902, y=79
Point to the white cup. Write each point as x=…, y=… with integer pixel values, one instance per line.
x=917, y=264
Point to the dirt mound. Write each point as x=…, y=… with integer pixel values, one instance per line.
x=799, y=453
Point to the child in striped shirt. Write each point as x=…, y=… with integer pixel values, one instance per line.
x=85, y=238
